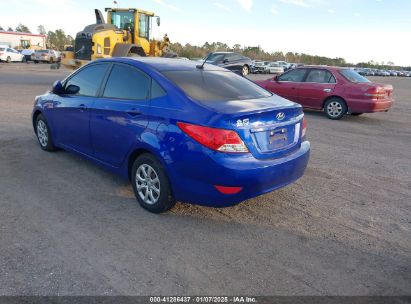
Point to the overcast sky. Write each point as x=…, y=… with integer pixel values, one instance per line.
x=357, y=30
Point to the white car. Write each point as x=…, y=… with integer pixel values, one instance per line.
x=275, y=68
x=284, y=64
x=8, y=54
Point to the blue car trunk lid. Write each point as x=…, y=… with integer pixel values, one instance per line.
x=270, y=127
x=270, y=134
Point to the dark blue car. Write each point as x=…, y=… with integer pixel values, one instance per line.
x=177, y=130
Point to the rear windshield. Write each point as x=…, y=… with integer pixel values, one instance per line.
x=215, y=85
x=353, y=76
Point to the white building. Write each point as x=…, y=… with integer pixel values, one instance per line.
x=22, y=40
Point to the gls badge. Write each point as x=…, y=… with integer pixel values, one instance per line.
x=243, y=123
x=280, y=116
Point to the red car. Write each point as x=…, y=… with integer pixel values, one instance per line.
x=336, y=91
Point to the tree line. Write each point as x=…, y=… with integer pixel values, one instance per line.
x=257, y=53
x=55, y=39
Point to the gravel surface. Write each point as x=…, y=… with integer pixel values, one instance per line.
x=68, y=227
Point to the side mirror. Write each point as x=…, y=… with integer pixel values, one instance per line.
x=158, y=21
x=57, y=88
x=276, y=78
x=72, y=89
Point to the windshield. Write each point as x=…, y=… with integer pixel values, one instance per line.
x=123, y=20
x=41, y=51
x=353, y=76
x=259, y=63
x=215, y=85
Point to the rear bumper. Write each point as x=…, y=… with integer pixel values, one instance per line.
x=194, y=181
x=370, y=106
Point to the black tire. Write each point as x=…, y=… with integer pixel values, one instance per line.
x=43, y=134
x=8, y=60
x=335, y=108
x=36, y=61
x=160, y=201
x=356, y=114
x=245, y=70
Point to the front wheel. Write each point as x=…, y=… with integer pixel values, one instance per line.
x=335, y=108
x=150, y=184
x=245, y=70
x=8, y=60
x=43, y=134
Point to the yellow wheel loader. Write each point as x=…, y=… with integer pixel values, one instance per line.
x=126, y=33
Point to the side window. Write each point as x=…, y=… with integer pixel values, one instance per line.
x=88, y=79
x=293, y=76
x=156, y=90
x=233, y=57
x=320, y=76
x=144, y=26
x=127, y=83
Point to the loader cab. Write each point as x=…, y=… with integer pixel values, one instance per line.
x=137, y=22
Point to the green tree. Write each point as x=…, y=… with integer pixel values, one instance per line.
x=1, y=28
x=41, y=30
x=10, y=29
x=22, y=28
x=58, y=39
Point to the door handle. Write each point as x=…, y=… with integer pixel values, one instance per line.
x=82, y=107
x=133, y=112
x=327, y=90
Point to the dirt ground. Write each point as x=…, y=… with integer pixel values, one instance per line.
x=69, y=228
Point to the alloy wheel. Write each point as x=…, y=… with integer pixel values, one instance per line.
x=245, y=70
x=42, y=133
x=334, y=109
x=147, y=184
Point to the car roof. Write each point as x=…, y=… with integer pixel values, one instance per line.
x=225, y=53
x=168, y=64
x=334, y=68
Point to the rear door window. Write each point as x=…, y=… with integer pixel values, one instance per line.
x=88, y=79
x=293, y=76
x=127, y=83
x=320, y=76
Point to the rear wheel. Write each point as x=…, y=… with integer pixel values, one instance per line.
x=335, y=108
x=245, y=70
x=150, y=184
x=8, y=60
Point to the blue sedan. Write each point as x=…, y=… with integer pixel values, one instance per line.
x=179, y=130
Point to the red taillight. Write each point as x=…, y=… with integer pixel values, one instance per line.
x=216, y=139
x=228, y=190
x=376, y=93
x=304, y=127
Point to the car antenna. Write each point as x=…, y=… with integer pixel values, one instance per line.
x=201, y=66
